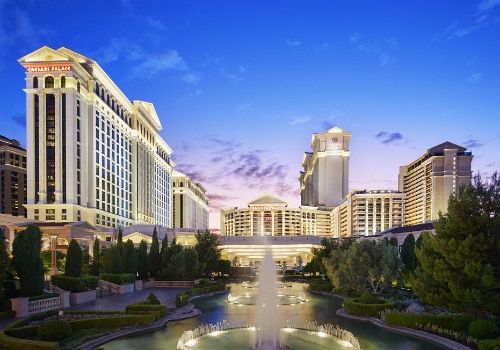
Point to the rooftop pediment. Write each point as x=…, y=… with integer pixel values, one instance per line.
x=268, y=199
x=44, y=54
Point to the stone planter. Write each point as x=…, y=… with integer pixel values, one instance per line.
x=82, y=297
x=138, y=285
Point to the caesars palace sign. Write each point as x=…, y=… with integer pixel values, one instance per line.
x=49, y=68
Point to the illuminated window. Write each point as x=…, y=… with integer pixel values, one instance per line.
x=49, y=82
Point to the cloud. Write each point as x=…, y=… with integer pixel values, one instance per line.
x=388, y=138
x=469, y=144
x=379, y=50
x=475, y=78
x=300, y=120
x=293, y=43
x=231, y=76
x=19, y=119
x=18, y=30
x=222, y=166
x=245, y=106
x=485, y=7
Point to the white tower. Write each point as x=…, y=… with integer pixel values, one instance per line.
x=325, y=179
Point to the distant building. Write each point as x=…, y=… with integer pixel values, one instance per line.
x=365, y=213
x=269, y=215
x=93, y=155
x=12, y=177
x=190, y=203
x=430, y=180
x=324, y=181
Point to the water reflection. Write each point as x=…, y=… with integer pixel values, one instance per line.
x=318, y=308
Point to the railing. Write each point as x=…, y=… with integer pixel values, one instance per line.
x=174, y=284
x=42, y=305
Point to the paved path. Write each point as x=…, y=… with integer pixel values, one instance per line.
x=118, y=302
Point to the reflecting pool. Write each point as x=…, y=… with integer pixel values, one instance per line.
x=317, y=308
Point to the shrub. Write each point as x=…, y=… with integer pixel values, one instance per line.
x=451, y=322
x=152, y=299
x=75, y=284
x=489, y=344
x=355, y=307
x=144, y=309
x=483, y=329
x=368, y=298
x=115, y=322
x=122, y=278
x=321, y=287
x=54, y=330
x=12, y=343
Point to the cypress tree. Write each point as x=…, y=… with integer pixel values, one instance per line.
x=74, y=259
x=154, y=256
x=129, y=258
x=27, y=262
x=142, y=261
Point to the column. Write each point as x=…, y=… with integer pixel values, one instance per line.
x=42, y=162
x=58, y=155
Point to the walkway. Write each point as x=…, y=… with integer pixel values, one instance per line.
x=118, y=302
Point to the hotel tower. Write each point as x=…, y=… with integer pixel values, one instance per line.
x=430, y=180
x=93, y=155
x=324, y=182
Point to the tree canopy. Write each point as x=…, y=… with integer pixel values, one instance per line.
x=459, y=266
x=208, y=250
x=364, y=264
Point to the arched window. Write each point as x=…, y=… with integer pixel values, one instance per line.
x=97, y=88
x=78, y=86
x=63, y=81
x=35, y=82
x=49, y=82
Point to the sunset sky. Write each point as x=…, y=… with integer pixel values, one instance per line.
x=241, y=86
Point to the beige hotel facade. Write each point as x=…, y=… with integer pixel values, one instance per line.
x=93, y=155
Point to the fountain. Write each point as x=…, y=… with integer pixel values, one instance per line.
x=268, y=328
x=267, y=321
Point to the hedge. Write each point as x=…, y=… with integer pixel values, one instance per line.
x=354, y=307
x=489, y=344
x=321, y=287
x=28, y=332
x=118, y=322
x=123, y=278
x=75, y=284
x=5, y=315
x=13, y=343
x=182, y=298
x=451, y=322
x=143, y=308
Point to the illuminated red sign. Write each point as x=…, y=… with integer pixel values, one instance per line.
x=48, y=69
x=265, y=207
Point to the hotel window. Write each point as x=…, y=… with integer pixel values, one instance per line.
x=63, y=81
x=49, y=82
x=78, y=87
x=35, y=82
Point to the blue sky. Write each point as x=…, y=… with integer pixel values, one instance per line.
x=240, y=86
